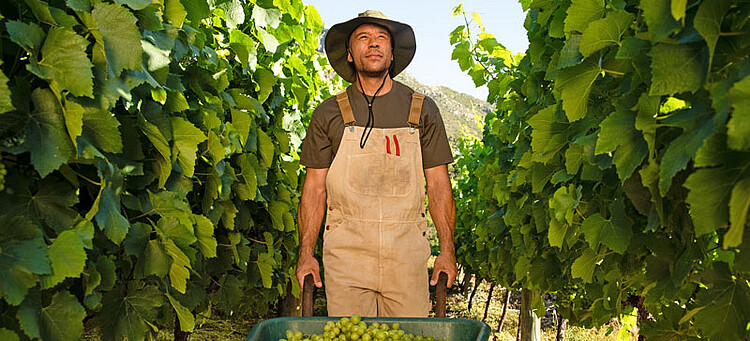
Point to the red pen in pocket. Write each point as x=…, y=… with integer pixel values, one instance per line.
x=398, y=150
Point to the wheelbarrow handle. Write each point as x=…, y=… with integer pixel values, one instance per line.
x=440, y=295
x=307, y=296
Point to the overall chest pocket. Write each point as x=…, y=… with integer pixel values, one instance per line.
x=381, y=174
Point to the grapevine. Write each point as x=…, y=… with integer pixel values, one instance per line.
x=615, y=170
x=155, y=176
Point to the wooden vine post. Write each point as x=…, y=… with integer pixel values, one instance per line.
x=530, y=324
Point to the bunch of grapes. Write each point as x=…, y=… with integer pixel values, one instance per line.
x=3, y=172
x=354, y=329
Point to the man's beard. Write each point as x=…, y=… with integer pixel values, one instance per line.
x=378, y=73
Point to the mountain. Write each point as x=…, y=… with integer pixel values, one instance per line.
x=459, y=110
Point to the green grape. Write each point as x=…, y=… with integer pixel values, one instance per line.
x=354, y=329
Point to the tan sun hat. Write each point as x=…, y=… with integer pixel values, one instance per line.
x=337, y=38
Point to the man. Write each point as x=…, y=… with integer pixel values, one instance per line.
x=368, y=152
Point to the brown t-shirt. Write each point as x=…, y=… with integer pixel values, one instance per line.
x=390, y=110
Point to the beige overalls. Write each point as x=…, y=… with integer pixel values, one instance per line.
x=374, y=246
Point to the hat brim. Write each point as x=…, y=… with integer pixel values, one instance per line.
x=402, y=35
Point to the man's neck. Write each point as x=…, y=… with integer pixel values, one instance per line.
x=370, y=85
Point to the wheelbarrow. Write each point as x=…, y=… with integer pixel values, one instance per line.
x=440, y=327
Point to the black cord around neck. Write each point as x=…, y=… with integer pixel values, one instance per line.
x=370, y=116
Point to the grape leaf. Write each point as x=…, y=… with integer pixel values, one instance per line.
x=678, y=9
x=122, y=40
x=270, y=43
x=176, y=102
x=135, y=4
x=79, y=5
x=109, y=216
x=575, y=84
x=739, y=204
x=738, y=127
x=5, y=101
x=605, y=32
x=277, y=210
x=179, y=271
x=710, y=192
x=249, y=176
x=563, y=204
x=106, y=268
x=163, y=163
x=264, y=18
x=186, y=140
x=23, y=256
x=186, y=318
x=64, y=60
x=618, y=134
x=583, y=267
x=614, y=232
x=569, y=54
x=265, y=265
x=681, y=151
x=658, y=15
x=183, y=235
x=67, y=255
x=204, y=231
x=708, y=23
x=548, y=135
x=8, y=335
x=154, y=260
x=723, y=313
x=169, y=204
x=235, y=13
x=265, y=148
x=46, y=137
x=27, y=35
x=129, y=314
x=675, y=69
x=632, y=47
x=242, y=122
x=581, y=13
x=174, y=12
x=313, y=20
x=53, y=202
x=73, y=114
x=101, y=128
x=266, y=81
x=197, y=10
x=61, y=320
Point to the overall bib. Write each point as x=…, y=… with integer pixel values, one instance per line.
x=374, y=246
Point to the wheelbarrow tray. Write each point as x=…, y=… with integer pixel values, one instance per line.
x=450, y=329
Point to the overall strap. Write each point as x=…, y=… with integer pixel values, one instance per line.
x=417, y=98
x=346, y=109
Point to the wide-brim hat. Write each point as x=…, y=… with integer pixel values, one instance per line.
x=337, y=38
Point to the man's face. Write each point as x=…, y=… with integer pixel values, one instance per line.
x=370, y=50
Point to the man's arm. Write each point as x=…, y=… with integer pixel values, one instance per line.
x=312, y=207
x=443, y=213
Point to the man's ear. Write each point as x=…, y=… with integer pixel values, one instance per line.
x=349, y=56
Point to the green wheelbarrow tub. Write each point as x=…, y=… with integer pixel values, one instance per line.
x=450, y=329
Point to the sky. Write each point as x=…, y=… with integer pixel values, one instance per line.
x=432, y=22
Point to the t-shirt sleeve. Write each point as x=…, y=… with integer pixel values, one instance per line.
x=317, y=151
x=435, y=148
